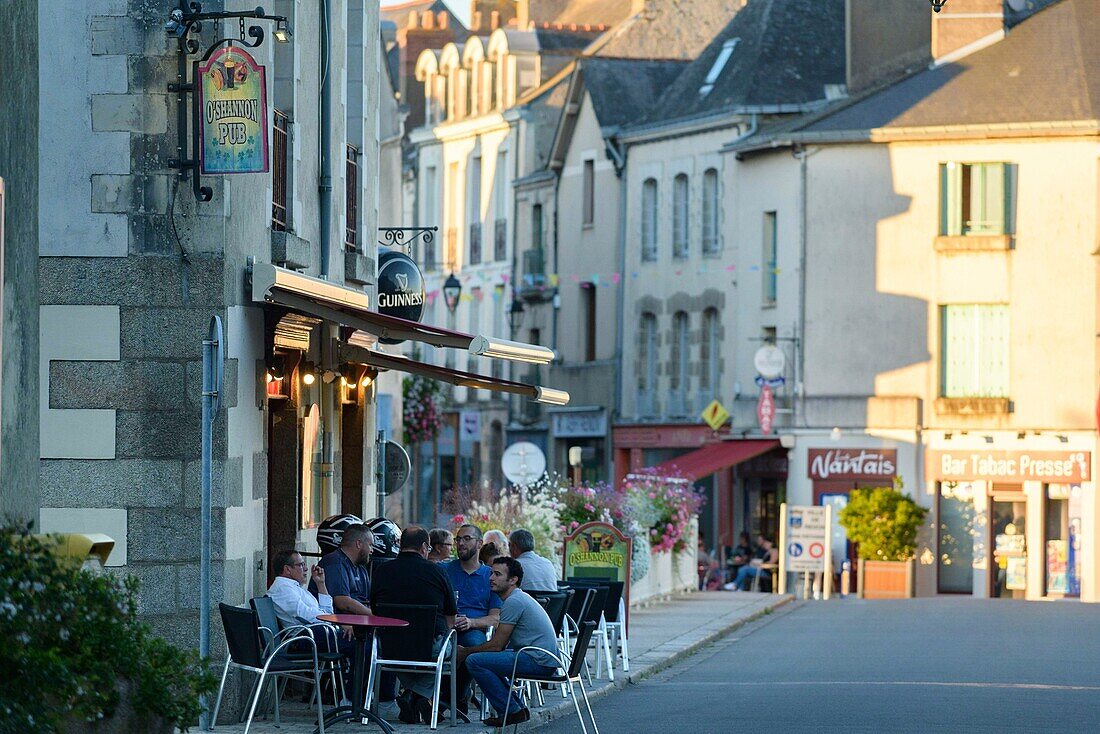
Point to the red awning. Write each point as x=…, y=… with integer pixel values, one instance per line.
x=703, y=462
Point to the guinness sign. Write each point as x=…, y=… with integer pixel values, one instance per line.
x=400, y=288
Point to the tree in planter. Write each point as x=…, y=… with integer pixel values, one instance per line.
x=884, y=522
x=74, y=645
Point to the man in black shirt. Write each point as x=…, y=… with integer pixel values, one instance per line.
x=412, y=579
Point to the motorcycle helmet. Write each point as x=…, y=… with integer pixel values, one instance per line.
x=331, y=531
x=387, y=537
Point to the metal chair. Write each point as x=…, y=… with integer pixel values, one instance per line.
x=595, y=614
x=557, y=604
x=568, y=674
x=613, y=626
x=247, y=652
x=327, y=646
x=409, y=650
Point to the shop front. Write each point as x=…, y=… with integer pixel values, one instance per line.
x=583, y=427
x=324, y=349
x=834, y=473
x=743, y=480
x=1015, y=523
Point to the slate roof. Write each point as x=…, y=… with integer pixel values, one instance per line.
x=625, y=90
x=1047, y=69
x=607, y=12
x=787, y=51
x=545, y=111
x=667, y=29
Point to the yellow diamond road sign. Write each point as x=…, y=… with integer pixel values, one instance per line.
x=715, y=415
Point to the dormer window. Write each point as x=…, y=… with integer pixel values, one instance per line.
x=719, y=65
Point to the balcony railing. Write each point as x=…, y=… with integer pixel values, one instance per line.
x=351, y=195
x=500, y=239
x=533, y=283
x=450, y=252
x=280, y=139
x=475, y=243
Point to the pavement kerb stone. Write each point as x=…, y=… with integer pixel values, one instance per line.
x=637, y=674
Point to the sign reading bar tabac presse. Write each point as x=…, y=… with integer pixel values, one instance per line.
x=1010, y=466
x=232, y=127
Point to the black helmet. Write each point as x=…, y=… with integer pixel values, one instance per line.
x=331, y=531
x=387, y=537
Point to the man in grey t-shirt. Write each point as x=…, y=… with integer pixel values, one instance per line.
x=539, y=574
x=523, y=622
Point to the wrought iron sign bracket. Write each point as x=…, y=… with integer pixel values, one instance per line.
x=182, y=22
x=404, y=237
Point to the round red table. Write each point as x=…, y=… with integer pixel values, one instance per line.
x=363, y=624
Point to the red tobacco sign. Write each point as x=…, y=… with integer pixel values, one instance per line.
x=765, y=410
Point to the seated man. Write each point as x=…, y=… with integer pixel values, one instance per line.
x=412, y=579
x=346, y=572
x=766, y=552
x=539, y=574
x=478, y=606
x=443, y=545
x=523, y=623
x=293, y=604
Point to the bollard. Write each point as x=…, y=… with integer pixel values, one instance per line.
x=845, y=578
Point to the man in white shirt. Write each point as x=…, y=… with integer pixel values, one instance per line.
x=539, y=574
x=293, y=604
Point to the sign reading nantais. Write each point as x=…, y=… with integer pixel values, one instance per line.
x=853, y=463
x=232, y=127
x=1019, y=466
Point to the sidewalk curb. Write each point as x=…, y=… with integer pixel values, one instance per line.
x=551, y=713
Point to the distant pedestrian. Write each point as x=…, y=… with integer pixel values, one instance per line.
x=766, y=553
x=539, y=574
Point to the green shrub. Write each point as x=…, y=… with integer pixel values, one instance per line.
x=72, y=638
x=884, y=522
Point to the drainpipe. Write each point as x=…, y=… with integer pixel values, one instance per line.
x=618, y=157
x=325, y=186
x=803, y=156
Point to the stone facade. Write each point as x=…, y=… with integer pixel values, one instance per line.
x=132, y=269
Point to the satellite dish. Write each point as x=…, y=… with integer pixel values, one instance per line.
x=523, y=463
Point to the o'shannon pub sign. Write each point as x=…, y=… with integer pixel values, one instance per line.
x=1010, y=466
x=233, y=113
x=866, y=464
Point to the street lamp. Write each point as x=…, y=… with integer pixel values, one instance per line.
x=515, y=315
x=452, y=289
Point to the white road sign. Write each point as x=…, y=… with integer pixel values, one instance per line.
x=806, y=539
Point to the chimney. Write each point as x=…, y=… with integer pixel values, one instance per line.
x=427, y=20
x=963, y=22
x=443, y=18
x=475, y=21
x=414, y=20
x=885, y=39
x=494, y=20
x=523, y=14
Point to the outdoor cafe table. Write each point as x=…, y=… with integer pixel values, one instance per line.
x=363, y=624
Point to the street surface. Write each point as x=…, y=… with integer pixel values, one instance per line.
x=925, y=665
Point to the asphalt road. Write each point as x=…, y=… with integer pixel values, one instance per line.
x=926, y=665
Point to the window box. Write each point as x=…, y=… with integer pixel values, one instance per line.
x=973, y=406
x=974, y=243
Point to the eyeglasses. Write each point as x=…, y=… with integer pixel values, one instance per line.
x=466, y=538
x=300, y=564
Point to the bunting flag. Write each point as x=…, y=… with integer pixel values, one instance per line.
x=554, y=280
x=497, y=294
x=504, y=277
x=479, y=295
x=615, y=278
x=729, y=268
x=595, y=279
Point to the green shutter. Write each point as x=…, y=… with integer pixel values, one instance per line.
x=988, y=192
x=950, y=200
x=974, y=349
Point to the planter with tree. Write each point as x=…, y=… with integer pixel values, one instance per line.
x=884, y=521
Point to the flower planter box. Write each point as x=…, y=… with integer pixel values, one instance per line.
x=886, y=579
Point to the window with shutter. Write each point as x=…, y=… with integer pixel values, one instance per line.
x=975, y=199
x=974, y=351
